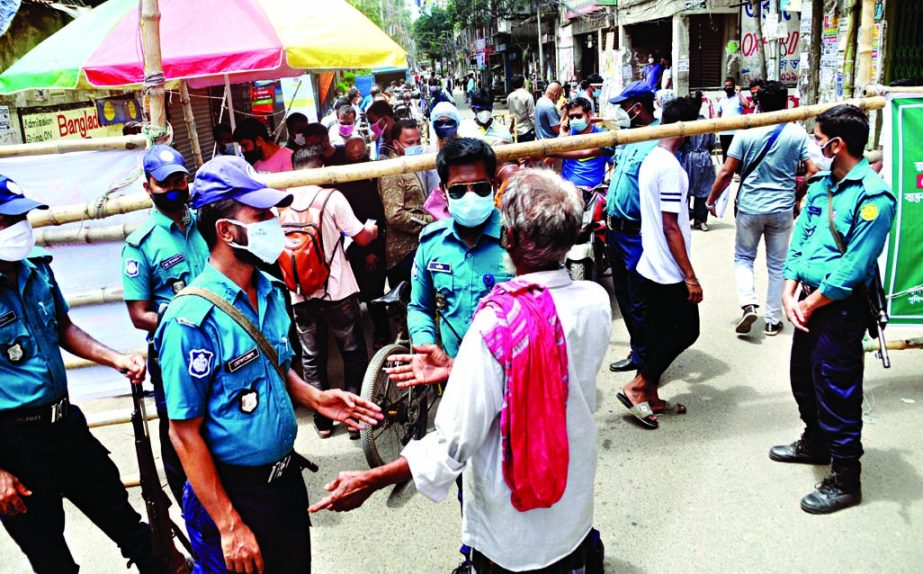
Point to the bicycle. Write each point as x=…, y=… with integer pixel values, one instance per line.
x=408, y=413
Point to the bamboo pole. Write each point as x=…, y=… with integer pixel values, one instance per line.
x=154, y=81
x=95, y=297
x=189, y=117
x=871, y=345
x=119, y=417
x=546, y=147
x=68, y=146
x=78, y=363
x=371, y=170
x=92, y=210
x=849, y=58
x=864, y=73
x=875, y=90
x=46, y=237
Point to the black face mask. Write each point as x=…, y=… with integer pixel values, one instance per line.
x=729, y=91
x=172, y=201
x=253, y=156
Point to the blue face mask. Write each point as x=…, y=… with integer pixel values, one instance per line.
x=444, y=132
x=577, y=126
x=472, y=209
x=597, y=93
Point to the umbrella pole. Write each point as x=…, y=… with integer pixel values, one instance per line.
x=230, y=96
x=190, y=123
x=153, y=64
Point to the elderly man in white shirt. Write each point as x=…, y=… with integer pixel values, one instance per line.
x=541, y=216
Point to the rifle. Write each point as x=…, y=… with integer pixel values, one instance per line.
x=162, y=527
x=878, y=317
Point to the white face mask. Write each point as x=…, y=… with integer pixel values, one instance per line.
x=16, y=241
x=483, y=117
x=265, y=239
x=299, y=139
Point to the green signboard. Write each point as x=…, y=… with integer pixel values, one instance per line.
x=903, y=279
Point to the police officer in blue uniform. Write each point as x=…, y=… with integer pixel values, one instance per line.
x=623, y=217
x=827, y=276
x=159, y=259
x=46, y=449
x=459, y=259
x=230, y=395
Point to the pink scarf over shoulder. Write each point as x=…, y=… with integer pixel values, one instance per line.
x=528, y=341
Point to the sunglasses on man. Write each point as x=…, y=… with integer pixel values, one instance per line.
x=458, y=190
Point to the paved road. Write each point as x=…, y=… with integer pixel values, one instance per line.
x=697, y=495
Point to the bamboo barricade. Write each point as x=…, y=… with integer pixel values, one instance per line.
x=511, y=152
x=78, y=363
x=189, y=118
x=67, y=146
x=871, y=345
x=46, y=237
x=95, y=297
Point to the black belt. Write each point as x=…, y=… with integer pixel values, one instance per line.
x=623, y=225
x=234, y=475
x=35, y=416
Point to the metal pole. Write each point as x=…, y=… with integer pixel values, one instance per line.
x=154, y=80
x=190, y=123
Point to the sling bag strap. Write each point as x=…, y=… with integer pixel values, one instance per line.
x=837, y=238
x=241, y=319
x=751, y=167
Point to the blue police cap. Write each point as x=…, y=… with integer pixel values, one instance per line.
x=637, y=90
x=231, y=177
x=12, y=201
x=162, y=161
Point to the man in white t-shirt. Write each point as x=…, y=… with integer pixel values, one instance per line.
x=731, y=105
x=670, y=287
x=333, y=308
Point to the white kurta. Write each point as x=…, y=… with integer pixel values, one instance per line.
x=467, y=437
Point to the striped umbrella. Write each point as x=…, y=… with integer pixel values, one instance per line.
x=202, y=41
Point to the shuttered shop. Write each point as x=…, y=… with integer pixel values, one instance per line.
x=706, y=51
x=202, y=111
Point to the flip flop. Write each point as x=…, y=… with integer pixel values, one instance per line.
x=641, y=411
x=671, y=409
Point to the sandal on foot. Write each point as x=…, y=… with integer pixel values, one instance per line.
x=671, y=409
x=641, y=411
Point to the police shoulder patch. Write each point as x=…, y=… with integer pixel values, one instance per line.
x=132, y=267
x=869, y=212
x=200, y=363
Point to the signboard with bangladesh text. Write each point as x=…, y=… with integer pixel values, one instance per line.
x=903, y=279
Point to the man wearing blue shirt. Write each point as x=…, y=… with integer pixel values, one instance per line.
x=767, y=158
x=230, y=397
x=623, y=208
x=584, y=168
x=48, y=452
x=159, y=259
x=459, y=259
x=831, y=264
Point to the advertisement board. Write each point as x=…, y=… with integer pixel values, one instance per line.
x=68, y=121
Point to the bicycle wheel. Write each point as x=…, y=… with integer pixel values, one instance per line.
x=383, y=442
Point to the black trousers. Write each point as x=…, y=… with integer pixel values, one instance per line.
x=672, y=326
x=575, y=563
x=176, y=476
x=699, y=210
x=725, y=146
x=372, y=286
x=63, y=460
x=826, y=373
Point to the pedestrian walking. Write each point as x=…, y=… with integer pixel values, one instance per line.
x=729, y=106
x=543, y=491
x=226, y=359
x=48, y=451
x=831, y=265
x=695, y=156
x=671, y=289
x=768, y=159
x=159, y=259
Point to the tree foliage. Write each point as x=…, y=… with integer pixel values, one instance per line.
x=371, y=9
x=434, y=31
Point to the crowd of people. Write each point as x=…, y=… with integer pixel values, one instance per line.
x=239, y=288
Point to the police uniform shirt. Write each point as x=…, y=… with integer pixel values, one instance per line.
x=31, y=368
x=213, y=369
x=158, y=259
x=624, y=199
x=863, y=209
x=446, y=268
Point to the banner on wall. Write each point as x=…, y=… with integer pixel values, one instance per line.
x=67, y=121
x=298, y=96
x=903, y=169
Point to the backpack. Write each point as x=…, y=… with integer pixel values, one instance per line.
x=304, y=265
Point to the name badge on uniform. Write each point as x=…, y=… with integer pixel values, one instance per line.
x=178, y=286
x=15, y=353
x=200, y=363
x=248, y=401
x=8, y=318
x=170, y=262
x=813, y=210
x=239, y=362
x=438, y=267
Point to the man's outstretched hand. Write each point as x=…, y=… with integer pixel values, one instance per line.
x=348, y=491
x=428, y=365
x=348, y=409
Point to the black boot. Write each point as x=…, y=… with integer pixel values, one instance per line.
x=804, y=450
x=841, y=489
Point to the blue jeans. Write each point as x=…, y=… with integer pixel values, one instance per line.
x=777, y=229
